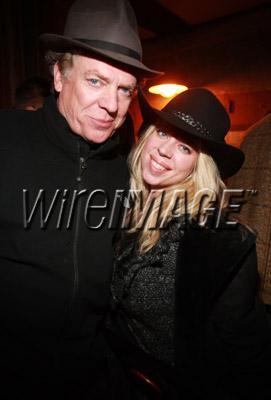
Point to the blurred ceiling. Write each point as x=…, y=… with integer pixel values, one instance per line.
x=166, y=17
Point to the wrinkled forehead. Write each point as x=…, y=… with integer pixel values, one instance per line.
x=86, y=62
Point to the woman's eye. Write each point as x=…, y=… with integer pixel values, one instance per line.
x=184, y=149
x=161, y=133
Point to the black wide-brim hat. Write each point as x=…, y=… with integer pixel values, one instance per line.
x=199, y=115
x=107, y=28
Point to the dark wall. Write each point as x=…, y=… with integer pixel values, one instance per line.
x=21, y=23
x=231, y=56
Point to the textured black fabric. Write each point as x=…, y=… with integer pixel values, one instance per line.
x=222, y=337
x=222, y=334
x=143, y=286
x=54, y=280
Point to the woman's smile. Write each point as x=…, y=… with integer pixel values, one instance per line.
x=166, y=159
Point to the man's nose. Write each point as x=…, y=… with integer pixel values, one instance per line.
x=109, y=100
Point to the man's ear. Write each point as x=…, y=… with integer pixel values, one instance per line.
x=58, y=78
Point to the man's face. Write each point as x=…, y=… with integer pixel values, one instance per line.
x=94, y=97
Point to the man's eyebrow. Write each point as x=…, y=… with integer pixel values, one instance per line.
x=99, y=75
x=129, y=86
x=96, y=73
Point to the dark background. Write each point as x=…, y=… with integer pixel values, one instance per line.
x=221, y=44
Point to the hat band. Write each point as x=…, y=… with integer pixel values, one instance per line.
x=117, y=48
x=192, y=122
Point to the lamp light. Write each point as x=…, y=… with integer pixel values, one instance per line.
x=167, y=90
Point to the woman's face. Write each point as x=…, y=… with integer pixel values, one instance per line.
x=167, y=158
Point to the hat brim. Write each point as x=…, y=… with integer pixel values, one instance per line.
x=61, y=43
x=229, y=159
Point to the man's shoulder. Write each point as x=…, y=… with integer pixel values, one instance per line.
x=9, y=114
x=12, y=117
x=15, y=124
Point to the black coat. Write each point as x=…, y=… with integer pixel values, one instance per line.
x=222, y=337
x=221, y=333
x=55, y=265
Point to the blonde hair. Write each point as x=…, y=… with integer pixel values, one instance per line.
x=198, y=191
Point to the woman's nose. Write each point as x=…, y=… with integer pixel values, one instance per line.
x=166, y=149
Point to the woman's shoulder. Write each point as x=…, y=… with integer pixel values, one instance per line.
x=220, y=228
x=218, y=247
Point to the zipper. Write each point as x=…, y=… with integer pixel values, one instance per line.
x=81, y=167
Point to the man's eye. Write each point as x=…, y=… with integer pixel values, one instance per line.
x=127, y=91
x=94, y=81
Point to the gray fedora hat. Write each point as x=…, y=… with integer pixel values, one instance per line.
x=105, y=27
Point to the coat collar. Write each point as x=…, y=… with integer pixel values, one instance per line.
x=60, y=133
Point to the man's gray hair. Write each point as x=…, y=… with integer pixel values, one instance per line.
x=64, y=61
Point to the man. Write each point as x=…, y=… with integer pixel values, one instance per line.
x=61, y=180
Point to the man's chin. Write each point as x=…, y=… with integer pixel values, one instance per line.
x=97, y=137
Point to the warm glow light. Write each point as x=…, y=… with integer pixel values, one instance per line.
x=167, y=90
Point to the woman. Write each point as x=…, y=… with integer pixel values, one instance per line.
x=186, y=319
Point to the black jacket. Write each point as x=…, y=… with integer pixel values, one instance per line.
x=222, y=337
x=55, y=264
x=221, y=333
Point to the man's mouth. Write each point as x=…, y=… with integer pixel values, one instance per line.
x=103, y=123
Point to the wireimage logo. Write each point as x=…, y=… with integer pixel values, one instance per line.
x=63, y=206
